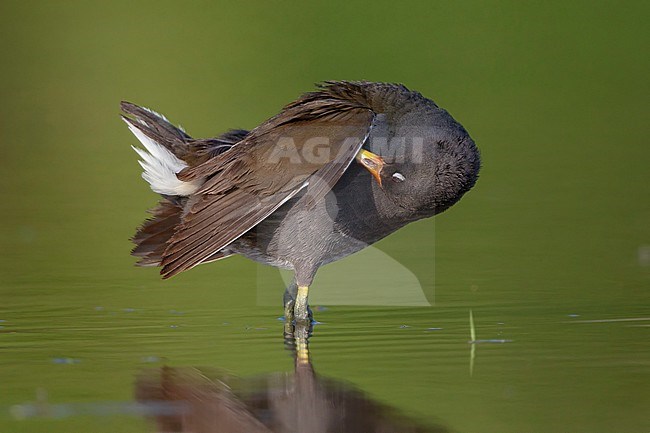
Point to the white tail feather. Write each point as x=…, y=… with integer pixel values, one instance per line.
x=160, y=167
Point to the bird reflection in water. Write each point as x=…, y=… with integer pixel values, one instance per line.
x=295, y=402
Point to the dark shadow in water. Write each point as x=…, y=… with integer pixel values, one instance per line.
x=207, y=400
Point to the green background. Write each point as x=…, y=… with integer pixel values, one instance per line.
x=550, y=250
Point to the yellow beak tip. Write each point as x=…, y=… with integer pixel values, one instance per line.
x=373, y=163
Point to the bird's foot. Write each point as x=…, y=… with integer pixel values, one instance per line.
x=288, y=315
x=296, y=309
x=291, y=315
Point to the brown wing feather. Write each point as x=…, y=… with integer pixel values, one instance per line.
x=175, y=139
x=256, y=176
x=151, y=239
x=220, y=229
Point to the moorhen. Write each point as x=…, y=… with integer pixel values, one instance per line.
x=335, y=171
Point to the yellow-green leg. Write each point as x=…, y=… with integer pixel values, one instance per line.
x=296, y=306
x=301, y=307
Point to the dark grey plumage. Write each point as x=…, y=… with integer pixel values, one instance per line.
x=301, y=214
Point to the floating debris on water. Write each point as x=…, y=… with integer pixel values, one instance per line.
x=472, y=334
x=174, y=326
x=472, y=329
x=573, y=315
x=472, y=348
x=624, y=319
x=496, y=340
x=44, y=409
x=404, y=326
x=64, y=360
x=433, y=329
x=150, y=359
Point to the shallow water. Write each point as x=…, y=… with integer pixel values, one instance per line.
x=71, y=355
x=550, y=252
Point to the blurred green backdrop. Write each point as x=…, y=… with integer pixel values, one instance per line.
x=554, y=93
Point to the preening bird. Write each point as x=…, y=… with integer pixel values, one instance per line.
x=335, y=171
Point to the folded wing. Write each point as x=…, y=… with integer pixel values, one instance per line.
x=307, y=146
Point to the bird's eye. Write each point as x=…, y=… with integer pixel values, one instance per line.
x=398, y=177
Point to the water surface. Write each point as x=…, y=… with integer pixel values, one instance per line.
x=550, y=251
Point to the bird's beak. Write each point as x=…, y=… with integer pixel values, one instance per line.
x=373, y=163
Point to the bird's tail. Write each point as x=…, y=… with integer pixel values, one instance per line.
x=151, y=238
x=167, y=151
x=157, y=128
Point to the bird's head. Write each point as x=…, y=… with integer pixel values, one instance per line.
x=424, y=163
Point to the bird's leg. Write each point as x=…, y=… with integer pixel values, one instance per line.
x=302, y=279
x=301, y=310
x=291, y=308
x=289, y=301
